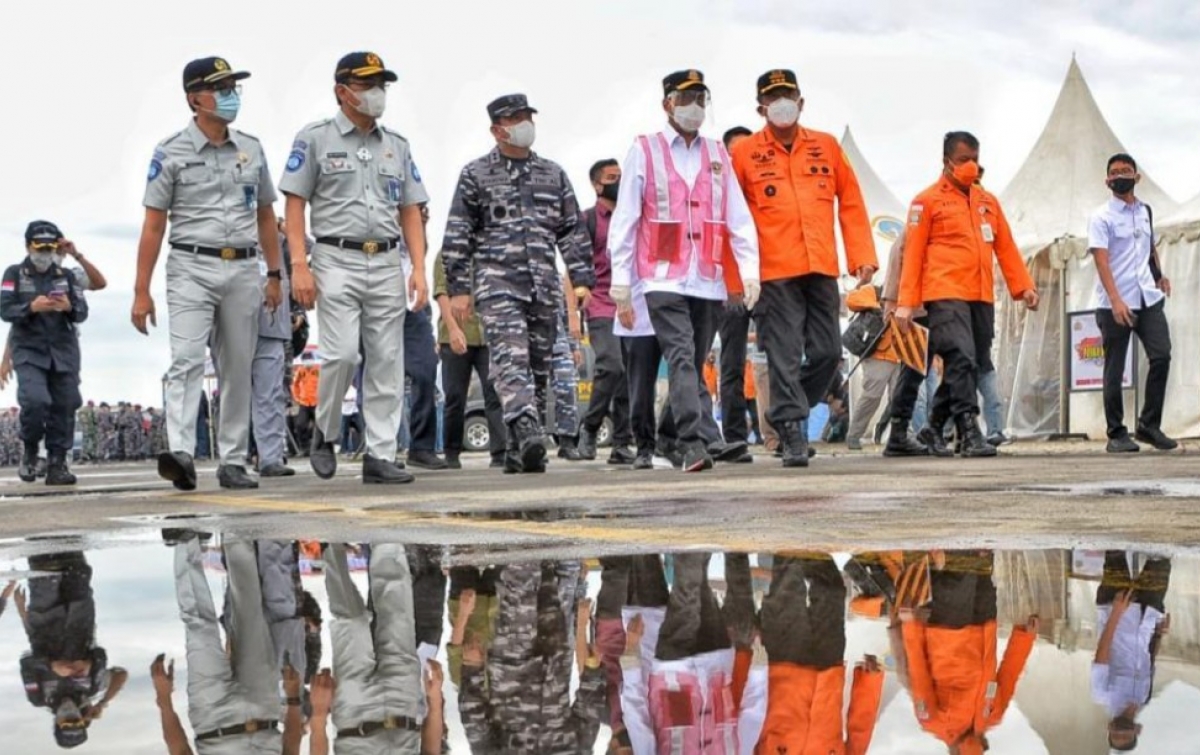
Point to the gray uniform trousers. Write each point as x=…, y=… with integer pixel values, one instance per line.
x=374, y=657
x=362, y=299
x=878, y=376
x=269, y=401
x=225, y=691
x=203, y=294
x=279, y=573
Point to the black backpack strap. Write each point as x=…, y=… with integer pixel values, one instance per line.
x=1154, y=268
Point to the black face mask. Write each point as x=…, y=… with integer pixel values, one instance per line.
x=610, y=191
x=1122, y=186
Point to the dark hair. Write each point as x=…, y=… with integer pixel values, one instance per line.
x=599, y=166
x=1120, y=157
x=955, y=138
x=1122, y=723
x=735, y=132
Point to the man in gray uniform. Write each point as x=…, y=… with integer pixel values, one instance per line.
x=213, y=184
x=356, y=173
x=270, y=402
x=511, y=209
x=233, y=699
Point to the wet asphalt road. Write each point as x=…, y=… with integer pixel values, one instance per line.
x=1034, y=495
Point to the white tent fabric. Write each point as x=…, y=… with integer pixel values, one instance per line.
x=1048, y=204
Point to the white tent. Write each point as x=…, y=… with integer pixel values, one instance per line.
x=1048, y=204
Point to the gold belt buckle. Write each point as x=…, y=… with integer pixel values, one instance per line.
x=371, y=247
x=228, y=253
x=389, y=722
x=251, y=725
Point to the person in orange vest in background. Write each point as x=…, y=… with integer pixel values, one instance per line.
x=955, y=228
x=677, y=209
x=791, y=176
x=710, y=376
x=949, y=649
x=750, y=391
x=304, y=391
x=804, y=633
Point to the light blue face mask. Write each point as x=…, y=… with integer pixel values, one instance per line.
x=228, y=103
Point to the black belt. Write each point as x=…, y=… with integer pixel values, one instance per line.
x=403, y=723
x=225, y=253
x=231, y=731
x=370, y=247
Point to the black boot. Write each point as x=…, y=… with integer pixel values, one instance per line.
x=933, y=437
x=794, y=444
x=321, y=456
x=57, y=472
x=900, y=443
x=28, y=469
x=530, y=444
x=974, y=445
x=587, y=444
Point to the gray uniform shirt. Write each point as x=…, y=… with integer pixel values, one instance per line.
x=354, y=181
x=212, y=193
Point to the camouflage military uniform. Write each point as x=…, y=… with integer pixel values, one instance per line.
x=566, y=381
x=106, y=426
x=10, y=438
x=507, y=218
x=158, y=433
x=521, y=702
x=91, y=438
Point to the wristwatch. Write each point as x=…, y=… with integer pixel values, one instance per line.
x=294, y=702
x=276, y=274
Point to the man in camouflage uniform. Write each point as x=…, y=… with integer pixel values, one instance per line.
x=91, y=437
x=158, y=433
x=106, y=425
x=511, y=209
x=566, y=391
x=10, y=440
x=520, y=700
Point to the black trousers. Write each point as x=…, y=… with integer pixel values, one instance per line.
x=48, y=400
x=735, y=331
x=1155, y=335
x=631, y=581
x=429, y=592
x=685, y=327
x=963, y=594
x=799, y=322
x=302, y=426
x=804, y=615
x=1149, y=587
x=642, y=356
x=959, y=331
x=610, y=390
x=694, y=623
x=456, y=383
x=420, y=365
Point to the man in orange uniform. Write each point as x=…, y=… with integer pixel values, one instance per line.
x=304, y=392
x=804, y=632
x=791, y=177
x=957, y=690
x=955, y=228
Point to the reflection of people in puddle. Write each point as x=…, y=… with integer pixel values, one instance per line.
x=1132, y=620
x=64, y=671
x=518, y=699
x=947, y=642
x=804, y=631
x=473, y=607
x=233, y=697
x=677, y=682
x=378, y=697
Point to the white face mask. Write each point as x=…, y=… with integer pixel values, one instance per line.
x=783, y=112
x=522, y=134
x=42, y=260
x=372, y=102
x=689, y=117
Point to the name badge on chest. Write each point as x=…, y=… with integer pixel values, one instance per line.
x=988, y=234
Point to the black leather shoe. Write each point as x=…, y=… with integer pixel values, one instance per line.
x=453, y=462
x=179, y=468
x=321, y=456
x=621, y=455
x=729, y=452
x=57, y=472
x=644, y=460
x=276, y=470
x=587, y=444
x=235, y=478
x=1122, y=445
x=383, y=472
x=426, y=460
x=568, y=448
x=1155, y=437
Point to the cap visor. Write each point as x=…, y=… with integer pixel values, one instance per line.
x=689, y=85
x=367, y=72
x=222, y=75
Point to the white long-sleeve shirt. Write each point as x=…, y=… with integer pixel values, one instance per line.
x=627, y=216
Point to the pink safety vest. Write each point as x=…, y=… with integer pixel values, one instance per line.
x=689, y=720
x=677, y=219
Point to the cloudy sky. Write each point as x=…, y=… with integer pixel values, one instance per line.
x=90, y=90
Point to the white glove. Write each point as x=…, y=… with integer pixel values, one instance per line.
x=752, y=290
x=622, y=296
